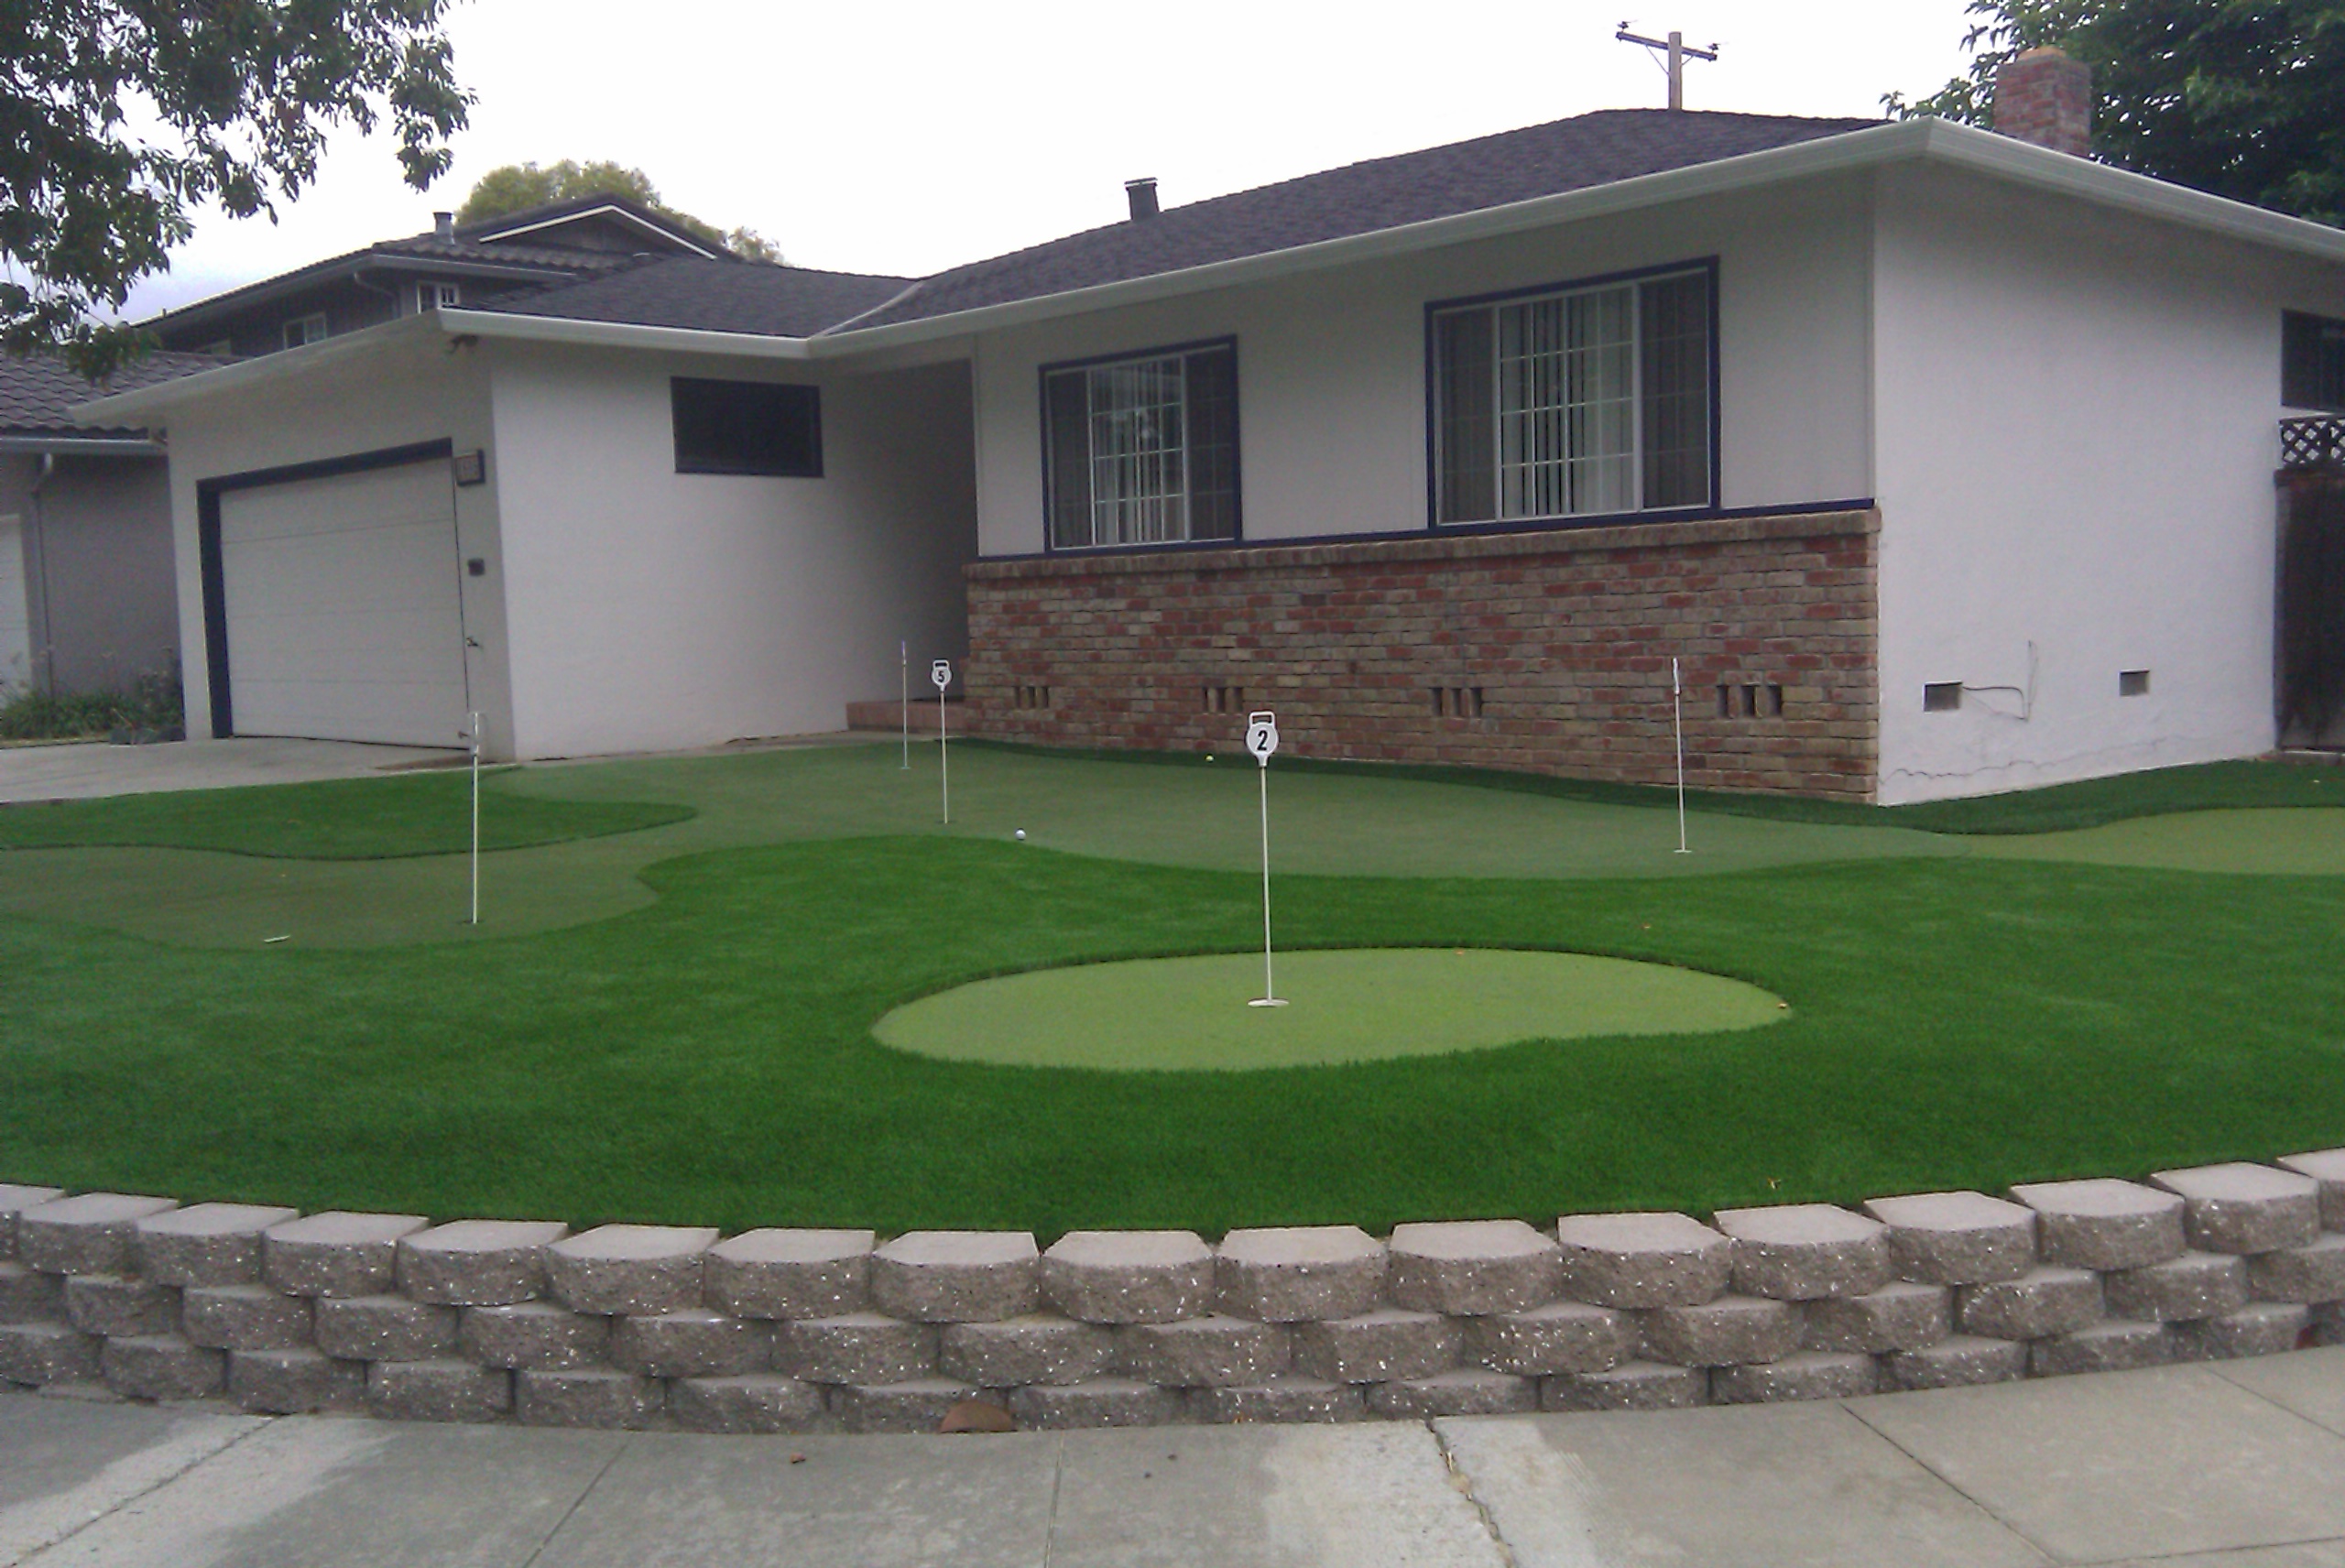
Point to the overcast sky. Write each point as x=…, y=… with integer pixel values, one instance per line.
x=909, y=137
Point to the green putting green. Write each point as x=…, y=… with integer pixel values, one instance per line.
x=1345, y=1005
x=2266, y=841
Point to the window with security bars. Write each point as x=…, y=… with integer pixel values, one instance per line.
x=1143, y=451
x=1577, y=403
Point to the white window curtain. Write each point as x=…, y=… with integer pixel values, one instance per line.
x=1139, y=480
x=1567, y=397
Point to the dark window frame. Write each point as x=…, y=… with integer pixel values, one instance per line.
x=2312, y=361
x=806, y=464
x=1043, y=375
x=1704, y=266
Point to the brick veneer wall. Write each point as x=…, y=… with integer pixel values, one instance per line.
x=783, y=1330
x=1546, y=652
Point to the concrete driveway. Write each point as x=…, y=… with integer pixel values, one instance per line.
x=79, y=772
x=2232, y=1465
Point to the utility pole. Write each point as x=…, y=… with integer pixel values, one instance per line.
x=1677, y=52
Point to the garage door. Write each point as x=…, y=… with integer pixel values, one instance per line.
x=342, y=604
x=15, y=630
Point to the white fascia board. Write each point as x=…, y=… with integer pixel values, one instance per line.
x=676, y=237
x=619, y=334
x=83, y=446
x=135, y=408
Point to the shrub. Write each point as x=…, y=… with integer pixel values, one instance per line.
x=152, y=701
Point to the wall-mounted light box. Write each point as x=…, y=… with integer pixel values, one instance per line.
x=472, y=467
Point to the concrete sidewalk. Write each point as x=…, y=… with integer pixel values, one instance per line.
x=2238, y=1462
x=85, y=771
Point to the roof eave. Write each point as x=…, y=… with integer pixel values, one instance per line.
x=87, y=445
x=138, y=406
x=252, y=295
x=516, y=327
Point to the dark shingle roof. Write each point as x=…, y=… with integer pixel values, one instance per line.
x=717, y=296
x=1588, y=150
x=35, y=392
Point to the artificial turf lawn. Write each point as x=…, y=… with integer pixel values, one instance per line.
x=346, y=819
x=703, y=1056
x=1343, y=1004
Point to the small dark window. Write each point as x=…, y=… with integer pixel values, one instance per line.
x=2312, y=361
x=1941, y=696
x=2133, y=682
x=747, y=427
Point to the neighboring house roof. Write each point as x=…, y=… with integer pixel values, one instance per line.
x=618, y=211
x=1586, y=150
x=715, y=295
x=37, y=392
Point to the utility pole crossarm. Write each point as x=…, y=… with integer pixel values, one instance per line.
x=1677, y=50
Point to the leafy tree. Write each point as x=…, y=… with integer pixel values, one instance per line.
x=517, y=187
x=119, y=117
x=2243, y=98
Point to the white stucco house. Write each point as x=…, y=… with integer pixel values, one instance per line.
x=1943, y=462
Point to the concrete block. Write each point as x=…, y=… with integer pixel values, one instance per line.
x=1904, y=1315
x=383, y=1328
x=1040, y=1348
x=1958, y=1361
x=2047, y=1299
x=45, y=1353
x=1293, y=1273
x=111, y=1304
x=92, y=1233
x=2313, y=1272
x=27, y=1295
x=204, y=1244
x=2195, y=1285
x=1285, y=1398
x=244, y=1317
x=294, y=1382
x=856, y=1347
x=1957, y=1238
x=693, y=1343
x=957, y=1276
x=2244, y=1208
x=541, y=1337
x=1642, y=1260
x=2327, y=1167
x=438, y=1391
x=790, y=1273
x=1469, y=1391
x=1805, y=1252
x=916, y=1406
x=2262, y=1328
x=336, y=1253
x=477, y=1263
x=747, y=1402
x=2116, y=1344
x=586, y=1396
x=1136, y=1276
x=1102, y=1402
x=1378, y=1347
x=1807, y=1375
x=2102, y=1224
x=1631, y=1386
x=1561, y=1336
x=1723, y=1332
x=14, y=1200
x=629, y=1269
x=1473, y=1267
x=162, y=1366
x=1199, y=1353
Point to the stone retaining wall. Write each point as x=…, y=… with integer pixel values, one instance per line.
x=784, y=1330
x=1543, y=652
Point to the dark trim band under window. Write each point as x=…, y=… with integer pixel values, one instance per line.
x=1143, y=449
x=747, y=427
x=1578, y=400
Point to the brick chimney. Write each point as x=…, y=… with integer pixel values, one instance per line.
x=2045, y=98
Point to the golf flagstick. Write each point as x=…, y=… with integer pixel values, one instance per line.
x=1677, y=717
x=904, y=679
x=475, y=721
x=1263, y=739
x=940, y=674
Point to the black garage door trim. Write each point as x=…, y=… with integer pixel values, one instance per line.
x=207, y=543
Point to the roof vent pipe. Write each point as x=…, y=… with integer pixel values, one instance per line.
x=1142, y=195
x=443, y=226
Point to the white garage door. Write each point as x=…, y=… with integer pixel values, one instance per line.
x=343, y=611
x=16, y=632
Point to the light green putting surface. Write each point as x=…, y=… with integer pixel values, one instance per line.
x=1355, y=1004
x=2282, y=842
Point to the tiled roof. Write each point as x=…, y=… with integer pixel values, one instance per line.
x=35, y=392
x=717, y=296
x=1362, y=198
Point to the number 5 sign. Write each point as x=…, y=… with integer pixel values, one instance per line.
x=940, y=673
x=1261, y=736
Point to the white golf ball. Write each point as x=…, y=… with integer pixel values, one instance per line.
x=1021, y=836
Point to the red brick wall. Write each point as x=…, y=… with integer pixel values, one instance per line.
x=1566, y=636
